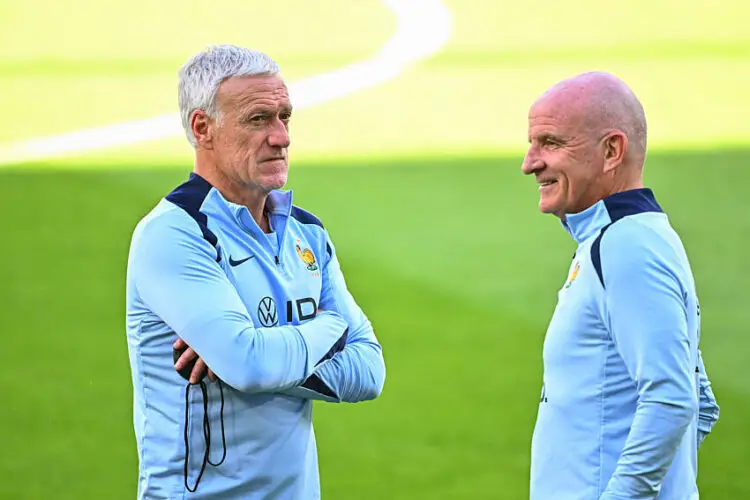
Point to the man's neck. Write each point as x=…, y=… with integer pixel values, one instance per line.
x=626, y=177
x=253, y=199
x=617, y=185
x=626, y=183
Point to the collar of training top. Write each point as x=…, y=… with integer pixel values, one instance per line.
x=584, y=224
x=278, y=202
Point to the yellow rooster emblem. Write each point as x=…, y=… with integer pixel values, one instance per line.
x=573, y=275
x=307, y=257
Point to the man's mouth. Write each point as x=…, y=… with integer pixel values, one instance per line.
x=544, y=184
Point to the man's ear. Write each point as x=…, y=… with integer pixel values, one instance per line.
x=615, y=146
x=203, y=127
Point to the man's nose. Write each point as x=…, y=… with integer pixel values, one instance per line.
x=279, y=136
x=531, y=164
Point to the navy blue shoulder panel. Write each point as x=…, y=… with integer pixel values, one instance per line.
x=189, y=196
x=306, y=217
x=632, y=202
x=596, y=254
x=619, y=206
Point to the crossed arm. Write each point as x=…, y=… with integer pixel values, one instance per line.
x=334, y=356
x=357, y=372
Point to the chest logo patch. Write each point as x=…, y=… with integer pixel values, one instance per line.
x=307, y=257
x=268, y=315
x=573, y=275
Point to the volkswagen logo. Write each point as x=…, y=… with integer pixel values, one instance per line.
x=267, y=313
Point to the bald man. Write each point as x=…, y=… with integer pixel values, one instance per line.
x=626, y=401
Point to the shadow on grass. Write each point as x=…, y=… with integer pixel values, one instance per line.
x=449, y=258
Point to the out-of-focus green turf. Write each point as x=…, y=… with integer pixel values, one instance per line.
x=79, y=64
x=451, y=261
x=689, y=65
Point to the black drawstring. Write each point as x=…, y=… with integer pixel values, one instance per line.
x=206, y=433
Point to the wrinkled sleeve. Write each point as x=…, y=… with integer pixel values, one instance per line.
x=647, y=317
x=177, y=276
x=357, y=372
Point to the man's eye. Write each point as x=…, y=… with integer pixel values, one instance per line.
x=257, y=118
x=285, y=116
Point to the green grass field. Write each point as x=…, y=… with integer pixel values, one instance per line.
x=418, y=181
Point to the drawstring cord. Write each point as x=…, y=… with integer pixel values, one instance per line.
x=206, y=433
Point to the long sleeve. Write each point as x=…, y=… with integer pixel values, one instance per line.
x=177, y=276
x=708, y=409
x=357, y=373
x=646, y=307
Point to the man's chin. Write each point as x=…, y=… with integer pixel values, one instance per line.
x=549, y=208
x=273, y=184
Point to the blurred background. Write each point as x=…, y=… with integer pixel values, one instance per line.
x=407, y=142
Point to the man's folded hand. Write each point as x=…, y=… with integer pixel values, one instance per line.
x=189, y=364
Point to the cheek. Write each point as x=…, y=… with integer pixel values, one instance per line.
x=239, y=140
x=253, y=144
x=571, y=171
x=560, y=166
x=580, y=179
x=239, y=147
x=225, y=142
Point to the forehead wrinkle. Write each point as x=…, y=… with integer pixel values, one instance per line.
x=273, y=92
x=259, y=95
x=552, y=115
x=262, y=104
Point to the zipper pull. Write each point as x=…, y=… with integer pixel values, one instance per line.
x=277, y=259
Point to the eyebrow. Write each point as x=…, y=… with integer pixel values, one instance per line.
x=550, y=136
x=265, y=108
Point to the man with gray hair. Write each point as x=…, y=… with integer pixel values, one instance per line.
x=626, y=400
x=239, y=291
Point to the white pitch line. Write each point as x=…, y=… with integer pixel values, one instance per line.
x=423, y=28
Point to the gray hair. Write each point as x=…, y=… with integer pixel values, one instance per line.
x=200, y=77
